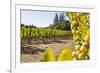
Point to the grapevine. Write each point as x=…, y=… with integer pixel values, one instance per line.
x=81, y=34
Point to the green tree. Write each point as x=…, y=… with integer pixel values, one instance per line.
x=56, y=18
x=61, y=17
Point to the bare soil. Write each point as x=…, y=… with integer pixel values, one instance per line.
x=38, y=49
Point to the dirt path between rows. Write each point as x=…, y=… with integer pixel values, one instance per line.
x=55, y=46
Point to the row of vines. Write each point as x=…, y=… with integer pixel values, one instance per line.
x=36, y=33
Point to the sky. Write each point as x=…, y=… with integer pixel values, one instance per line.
x=38, y=18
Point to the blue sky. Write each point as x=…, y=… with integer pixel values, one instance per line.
x=38, y=18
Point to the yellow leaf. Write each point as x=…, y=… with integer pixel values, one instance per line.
x=65, y=55
x=48, y=56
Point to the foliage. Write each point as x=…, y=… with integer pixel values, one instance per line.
x=36, y=33
x=56, y=18
x=80, y=27
x=65, y=55
x=48, y=56
x=60, y=22
x=63, y=25
x=61, y=17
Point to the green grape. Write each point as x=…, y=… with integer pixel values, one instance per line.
x=81, y=56
x=85, y=44
x=86, y=57
x=81, y=33
x=73, y=53
x=83, y=49
x=86, y=38
x=74, y=59
x=77, y=32
x=77, y=38
x=77, y=47
x=78, y=43
x=77, y=52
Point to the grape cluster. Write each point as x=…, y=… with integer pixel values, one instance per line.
x=80, y=27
